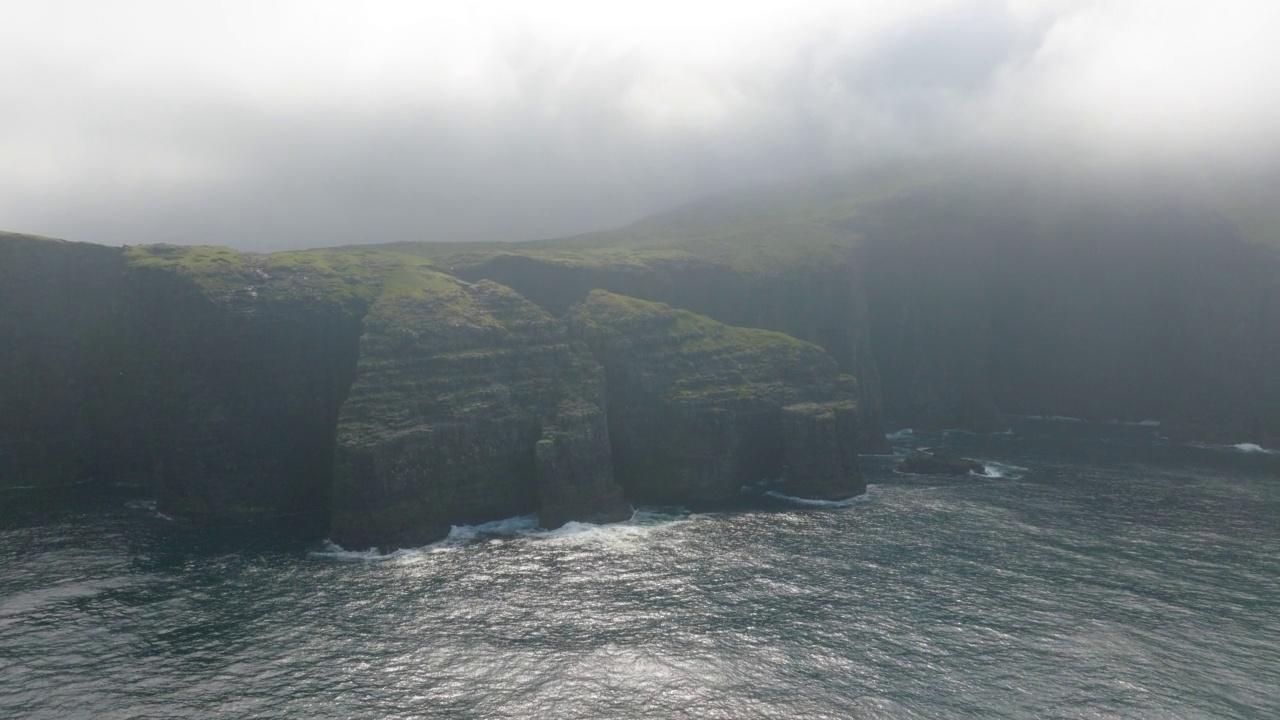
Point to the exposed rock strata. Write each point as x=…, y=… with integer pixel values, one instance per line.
x=819, y=461
x=822, y=303
x=696, y=407
x=471, y=404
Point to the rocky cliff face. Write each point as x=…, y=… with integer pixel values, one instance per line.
x=388, y=398
x=822, y=303
x=696, y=407
x=124, y=369
x=407, y=388
x=62, y=350
x=470, y=404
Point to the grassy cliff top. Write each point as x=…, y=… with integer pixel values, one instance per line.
x=763, y=231
x=707, y=359
x=24, y=237
x=800, y=225
x=340, y=276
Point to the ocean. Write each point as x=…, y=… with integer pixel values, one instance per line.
x=1095, y=571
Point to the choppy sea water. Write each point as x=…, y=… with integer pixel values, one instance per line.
x=1099, y=571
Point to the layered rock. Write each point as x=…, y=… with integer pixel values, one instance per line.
x=575, y=468
x=696, y=407
x=818, y=459
x=819, y=300
x=470, y=404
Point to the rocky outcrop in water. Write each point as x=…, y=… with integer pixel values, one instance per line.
x=933, y=462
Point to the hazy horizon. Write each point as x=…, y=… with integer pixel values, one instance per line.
x=274, y=125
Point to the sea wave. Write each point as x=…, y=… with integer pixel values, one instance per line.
x=147, y=506
x=810, y=502
x=1249, y=448
x=643, y=522
x=902, y=434
x=1000, y=470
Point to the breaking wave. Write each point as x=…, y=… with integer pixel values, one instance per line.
x=1000, y=470
x=524, y=527
x=809, y=502
x=902, y=434
x=1249, y=448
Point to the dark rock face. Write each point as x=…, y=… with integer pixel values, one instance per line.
x=223, y=406
x=695, y=407
x=471, y=404
x=937, y=463
x=242, y=397
x=575, y=469
x=62, y=348
x=818, y=460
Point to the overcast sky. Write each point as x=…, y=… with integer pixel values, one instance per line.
x=275, y=123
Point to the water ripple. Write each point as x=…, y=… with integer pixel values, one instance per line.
x=1096, y=586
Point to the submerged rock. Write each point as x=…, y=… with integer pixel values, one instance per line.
x=930, y=462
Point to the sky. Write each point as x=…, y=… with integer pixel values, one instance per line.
x=277, y=124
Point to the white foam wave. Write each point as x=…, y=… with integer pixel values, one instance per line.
x=1052, y=418
x=525, y=527
x=334, y=551
x=810, y=502
x=147, y=506
x=902, y=434
x=1000, y=470
x=1250, y=448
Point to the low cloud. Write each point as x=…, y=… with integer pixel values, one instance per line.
x=282, y=124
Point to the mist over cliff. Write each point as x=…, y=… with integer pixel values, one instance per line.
x=281, y=124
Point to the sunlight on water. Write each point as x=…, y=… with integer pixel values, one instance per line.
x=1090, y=573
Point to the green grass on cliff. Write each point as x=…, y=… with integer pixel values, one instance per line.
x=340, y=276
x=710, y=359
x=801, y=226
x=692, y=332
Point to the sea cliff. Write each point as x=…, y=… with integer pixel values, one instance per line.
x=372, y=397
x=380, y=394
